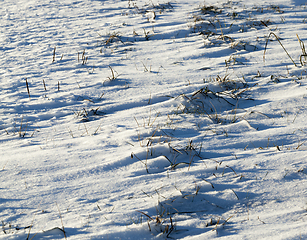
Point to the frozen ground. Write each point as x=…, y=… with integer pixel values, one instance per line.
x=153, y=119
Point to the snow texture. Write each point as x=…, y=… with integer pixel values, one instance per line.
x=144, y=119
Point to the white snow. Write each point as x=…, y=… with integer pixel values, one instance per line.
x=153, y=119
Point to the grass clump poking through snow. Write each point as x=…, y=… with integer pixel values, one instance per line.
x=114, y=75
x=21, y=128
x=219, y=95
x=206, y=9
x=88, y=115
x=159, y=224
x=83, y=58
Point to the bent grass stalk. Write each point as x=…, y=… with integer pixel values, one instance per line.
x=145, y=163
x=277, y=38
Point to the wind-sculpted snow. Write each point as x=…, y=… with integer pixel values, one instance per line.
x=153, y=119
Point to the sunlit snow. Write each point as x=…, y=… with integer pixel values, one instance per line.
x=147, y=119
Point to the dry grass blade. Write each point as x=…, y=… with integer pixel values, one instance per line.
x=174, y=165
x=177, y=164
x=113, y=37
x=20, y=129
x=28, y=88
x=145, y=68
x=97, y=129
x=145, y=215
x=145, y=163
x=304, y=54
x=277, y=38
x=61, y=220
x=226, y=221
x=44, y=85
x=53, y=55
x=137, y=122
x=83, y=58
x=113, y=75
x=85, y=128
x=232, y=170
x=235, y=194
x=222, y=34
x=302, y=45
x=30, y=227
x=208, y=182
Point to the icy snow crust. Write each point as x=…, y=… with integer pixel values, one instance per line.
x=153, y=120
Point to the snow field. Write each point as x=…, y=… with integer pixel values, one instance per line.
x=152, y=120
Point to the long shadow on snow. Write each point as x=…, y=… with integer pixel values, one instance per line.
x=58, y=233
x=207, y=205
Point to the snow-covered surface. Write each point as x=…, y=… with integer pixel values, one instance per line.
x=153, y=119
